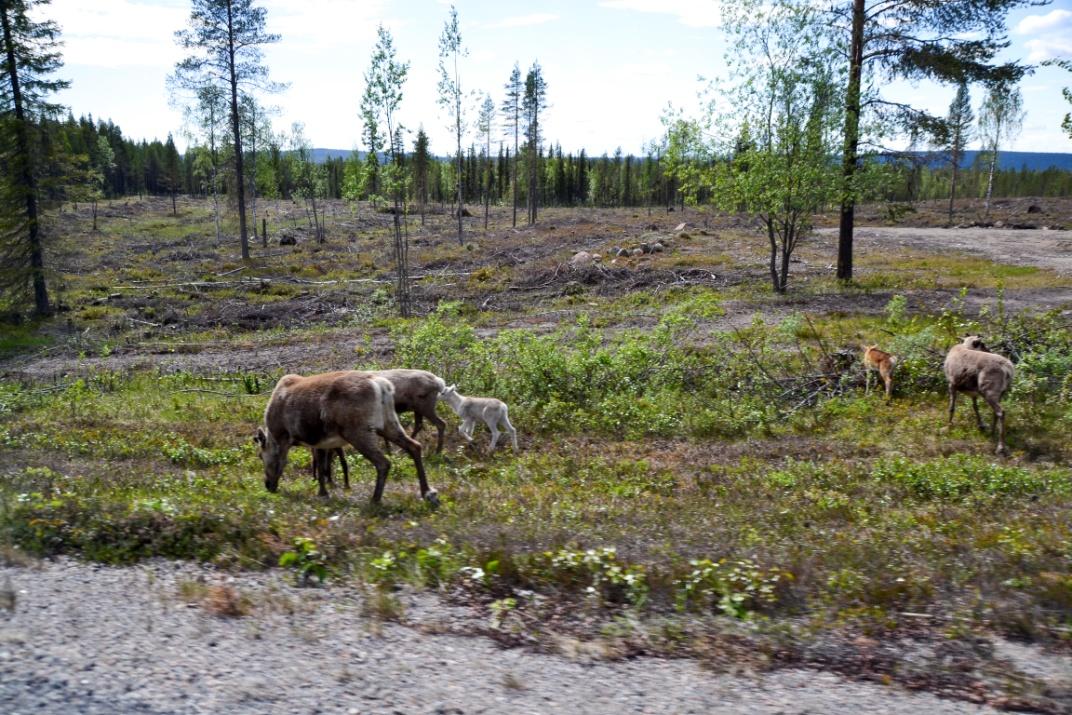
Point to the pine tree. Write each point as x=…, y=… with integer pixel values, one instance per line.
x=959, y=121
x=225, y=38
x=511, y=109
x=30, y=55
x=909, y=39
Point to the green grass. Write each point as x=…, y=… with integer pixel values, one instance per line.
x=673, y=472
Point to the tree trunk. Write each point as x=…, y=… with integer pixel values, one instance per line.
x=517, y=121
x=240, y=184
x=773, y=263
x=25, y=174
x=174, y=210
x=990, y=179
x=94, y=215
x=852, y=143
x=953, y=179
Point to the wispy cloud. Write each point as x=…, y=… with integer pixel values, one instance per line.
x=694, y=13
x=1050, y=47
x=536, y=18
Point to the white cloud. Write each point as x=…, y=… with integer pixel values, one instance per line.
x=1048, y=48
x=536, y=18
x=1050, y=22
x=694, y=13
x=118, y=33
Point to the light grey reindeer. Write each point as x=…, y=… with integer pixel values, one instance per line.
x=971, y=368
x=489, y=410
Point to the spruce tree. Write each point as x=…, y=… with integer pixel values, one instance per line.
x=485, y=122
x=533, y=104
x=422, y=158
x=225, y=38
x=30, y=54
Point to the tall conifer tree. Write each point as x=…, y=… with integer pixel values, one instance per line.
x=225, y=38
x=30, y=55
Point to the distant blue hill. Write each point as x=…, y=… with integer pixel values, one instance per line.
x=1032, y=160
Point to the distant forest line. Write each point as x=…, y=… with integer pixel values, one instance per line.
x=565, y=179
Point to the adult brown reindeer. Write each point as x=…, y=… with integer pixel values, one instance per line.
x=971, y=368
x=327, y=411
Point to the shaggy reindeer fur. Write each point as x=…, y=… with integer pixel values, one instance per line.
x=883, y=363
x=417, y=391
x=327, y=411
x=489, y=410
x=971, y=368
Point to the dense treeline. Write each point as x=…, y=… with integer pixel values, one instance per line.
x=97, y=155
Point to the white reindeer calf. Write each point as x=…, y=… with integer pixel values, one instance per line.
x=491, y=411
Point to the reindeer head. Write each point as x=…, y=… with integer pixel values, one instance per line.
x=273, y=456
x=974, y=342
x=448, y=391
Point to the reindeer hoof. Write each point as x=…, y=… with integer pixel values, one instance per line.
x=432, y=497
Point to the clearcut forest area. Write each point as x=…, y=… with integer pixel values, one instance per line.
x=707, y=512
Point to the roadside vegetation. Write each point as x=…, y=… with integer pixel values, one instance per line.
x=698, y=475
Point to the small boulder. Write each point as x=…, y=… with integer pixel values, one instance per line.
x=582, y=259
x=288, y=239
x=645, y=248
x=999, y=224
x=638, y=252
x=657, y=247
x=623, y=252
x=1034, y=209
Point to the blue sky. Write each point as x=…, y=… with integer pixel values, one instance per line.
x=611, y=65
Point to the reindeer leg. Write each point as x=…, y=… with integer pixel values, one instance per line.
x=345, y=467
x=978, y=419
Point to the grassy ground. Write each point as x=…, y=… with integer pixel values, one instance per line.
x=690, y=481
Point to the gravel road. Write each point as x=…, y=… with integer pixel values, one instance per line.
x=1042, y=248
x=90, y=639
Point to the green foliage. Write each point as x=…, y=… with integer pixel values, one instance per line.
x=962, y=476
x=306, y=561
x=737, y=588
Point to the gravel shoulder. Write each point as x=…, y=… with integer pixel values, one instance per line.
x=90, y=639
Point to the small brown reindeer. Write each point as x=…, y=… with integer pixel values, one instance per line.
x=883, y=363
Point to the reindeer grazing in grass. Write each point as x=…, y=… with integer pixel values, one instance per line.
x=325, y=412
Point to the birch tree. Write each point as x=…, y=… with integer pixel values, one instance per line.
x=383, y=97
x=1000, y=119
x=451, y=50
